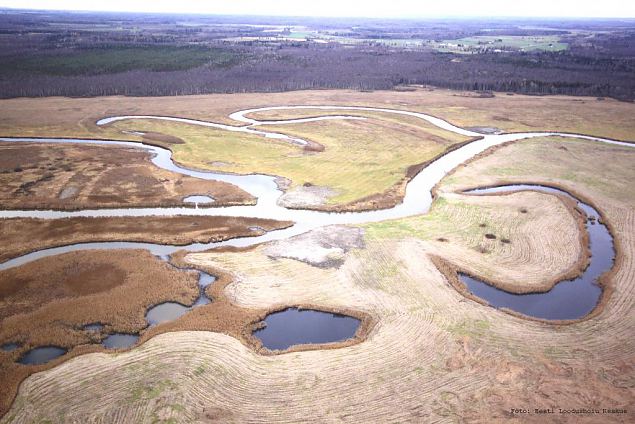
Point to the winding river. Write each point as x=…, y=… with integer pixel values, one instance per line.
x=568, y=299
x=417, y=199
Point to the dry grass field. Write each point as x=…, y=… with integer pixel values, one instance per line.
x=343, y=184
x=60, y=116
x=425, y=351
x=46, y=302
x=520, y=259
x=432, y=355
x=58, y=176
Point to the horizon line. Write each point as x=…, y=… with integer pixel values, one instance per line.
x=257, y=15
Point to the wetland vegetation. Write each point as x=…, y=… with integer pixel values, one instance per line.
x=382, y=249
x=495, y=235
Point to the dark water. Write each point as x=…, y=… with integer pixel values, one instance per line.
x=164, y=312
x=169, y=311
x=120, y=340
x=41, y=355
x=294, y=327
x=569, y=299
x=96, y=327
x=9, y=347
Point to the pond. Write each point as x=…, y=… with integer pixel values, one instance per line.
x=41, y=355
x=120, y=340
x=294, y=326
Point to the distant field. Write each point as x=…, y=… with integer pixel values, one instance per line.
x=463, y=45
x=88, y=54
x=504, y=42
x=113, y=60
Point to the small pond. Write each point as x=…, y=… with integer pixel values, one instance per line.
x=295, y=327
x=120, y=340
x=169, y=311
x=164, y=312
x=42, y=355
x=94, y=327
x=198, y=199
x=9, y=347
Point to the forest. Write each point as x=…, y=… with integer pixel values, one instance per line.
x=93, y=54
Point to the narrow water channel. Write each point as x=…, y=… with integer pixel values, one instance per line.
x=568, y=299
x=289, y=327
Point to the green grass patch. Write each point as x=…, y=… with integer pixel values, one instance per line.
x=200, y=370
x=119, y=59
x=361, y=158
x=151, y=392
x=443, y=218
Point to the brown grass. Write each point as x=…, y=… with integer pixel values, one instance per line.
x=46, y=303
x=57, y=176
x=23, y=235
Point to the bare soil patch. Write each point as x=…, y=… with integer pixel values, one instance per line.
x=324, y=247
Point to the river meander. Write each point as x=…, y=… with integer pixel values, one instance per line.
x=559, y=303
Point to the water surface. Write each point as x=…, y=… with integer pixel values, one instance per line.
x=9, y=347
x=120, y=340
x=164, y=312
x=96, y=327
x=198, y=199
x=41, y=355
x=296, y=327
x=568, y=299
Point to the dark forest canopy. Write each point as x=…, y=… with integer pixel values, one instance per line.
x=92, y=54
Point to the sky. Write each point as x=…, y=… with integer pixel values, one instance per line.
x=351, y=8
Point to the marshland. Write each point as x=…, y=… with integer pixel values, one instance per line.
x=361, y=251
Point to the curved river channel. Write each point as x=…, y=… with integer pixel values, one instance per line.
x=567, y=300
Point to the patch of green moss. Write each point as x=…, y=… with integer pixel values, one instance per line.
x=469, y=328
x=151, y=392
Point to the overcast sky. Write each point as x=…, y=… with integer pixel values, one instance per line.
x=347, y=8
